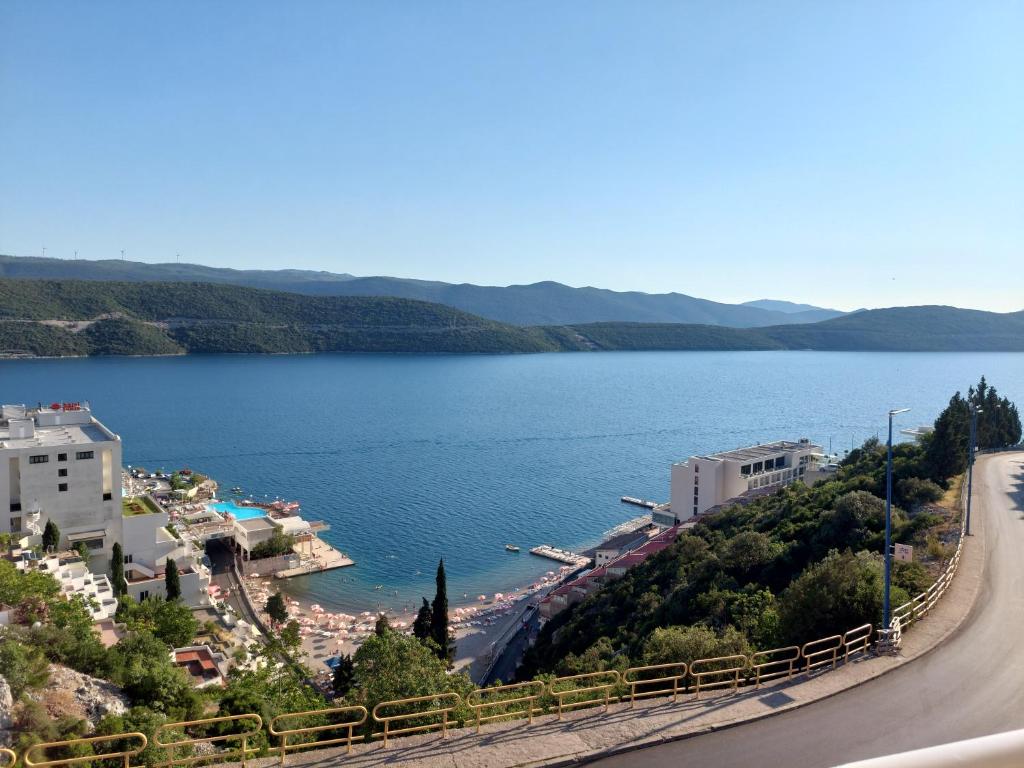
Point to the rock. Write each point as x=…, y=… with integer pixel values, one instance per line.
x=71, y=693
x=6, y=716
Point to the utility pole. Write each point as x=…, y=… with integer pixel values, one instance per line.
x=888, y=522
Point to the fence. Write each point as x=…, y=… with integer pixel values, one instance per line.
x=519, y=701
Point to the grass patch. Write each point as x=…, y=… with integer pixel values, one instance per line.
x=140, y=505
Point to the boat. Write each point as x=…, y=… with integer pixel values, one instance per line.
x=511, y=547
x=236, y=490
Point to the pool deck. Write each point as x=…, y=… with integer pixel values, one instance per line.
x=324, y=558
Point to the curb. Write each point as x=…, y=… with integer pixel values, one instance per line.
x=974, y=542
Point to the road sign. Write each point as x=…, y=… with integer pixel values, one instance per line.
x=903, y=552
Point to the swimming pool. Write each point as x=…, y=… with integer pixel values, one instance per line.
x=240, y=513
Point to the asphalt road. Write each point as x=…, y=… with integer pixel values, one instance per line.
x=971, y=685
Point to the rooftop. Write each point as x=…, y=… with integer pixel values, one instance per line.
x=254, y=524
x=68, y=424
x=762, y=451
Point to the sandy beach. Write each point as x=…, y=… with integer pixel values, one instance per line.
x=477, y=621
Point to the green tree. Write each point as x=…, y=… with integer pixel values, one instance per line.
x=395, y=666
x=83, y=550
x=833, y=595
x=172, y=581
x=51, y=536
x=667, y=645
x=117, y=582
x=344, y=675
x=291, y=638
x=439, y=617
x=421, y=629
x=276, y=609
x=382, y=625
x=67, y=637
x=141, y=664
x=171, y=622
x=23, y=665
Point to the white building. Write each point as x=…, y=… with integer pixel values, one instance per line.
x=59, y=463
x=75, y=578
x=703, y=482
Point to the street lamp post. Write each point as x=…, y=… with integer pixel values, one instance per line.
x=888, y=522
x=970, y=464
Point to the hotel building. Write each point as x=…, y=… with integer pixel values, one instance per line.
x=703, y=482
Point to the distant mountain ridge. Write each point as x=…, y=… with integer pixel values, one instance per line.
x=543, y=303
x=69, y=317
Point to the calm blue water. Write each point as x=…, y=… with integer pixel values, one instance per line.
x=414, y=458
x=240, y=513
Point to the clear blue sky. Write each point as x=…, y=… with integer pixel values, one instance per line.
x=842, y=153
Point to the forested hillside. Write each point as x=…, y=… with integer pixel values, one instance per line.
x=800, y=564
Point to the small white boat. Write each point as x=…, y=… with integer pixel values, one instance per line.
x=511, y=547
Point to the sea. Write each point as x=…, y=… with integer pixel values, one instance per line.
x=411, y=459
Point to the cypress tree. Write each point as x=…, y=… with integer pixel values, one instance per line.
x=172, y=581
x=421, y=626
x=439, y=617
x=117, y=581
x=51, y=536
x=276, y=608
x=344, y=674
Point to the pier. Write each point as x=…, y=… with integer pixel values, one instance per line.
x=321, y=557
x=639, y=502
x=561, y=555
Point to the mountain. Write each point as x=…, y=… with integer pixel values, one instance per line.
x=798, y=313
x=57, y=318
x=916, y=329
x=51, y=317
x=544, y=303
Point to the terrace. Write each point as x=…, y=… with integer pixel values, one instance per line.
x=139, y=505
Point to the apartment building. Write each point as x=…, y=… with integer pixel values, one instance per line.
x=59, y=463
x=703, y=482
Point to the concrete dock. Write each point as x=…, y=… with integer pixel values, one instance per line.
x=317, y=555
x=561, y=555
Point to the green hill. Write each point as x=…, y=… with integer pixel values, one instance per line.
x=170, y=318
x=72, y=317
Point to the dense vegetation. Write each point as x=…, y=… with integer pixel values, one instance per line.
x=787, y=568
x=171, y=318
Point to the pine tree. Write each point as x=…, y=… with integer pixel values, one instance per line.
x=51, y=536
x=382, y=627
x=117, y=581
x=276, y=609
x=344, y=674
x=439, y=617
x=421, y=626
x=172, y=581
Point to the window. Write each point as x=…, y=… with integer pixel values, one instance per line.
x=127, y=559
x=758, y=466
x=62, y=472
x=41, y=459
x=84, y=455
x=62, y=457
x=15, y=506
x=695, y=509
x=745, y=469
x=94, y=543
x=108, y=496
x=769, y=464
x=144, y=594
x=62, y=487
x=15, y=525
x=696, y=467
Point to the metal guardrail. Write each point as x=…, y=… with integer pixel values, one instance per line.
x=600, y=684
x=125, y=754
x=486, y=699
x=857, y=640
x=284, y=747
x=241, y=752
x=771, y=668
x=386, y=720
x=7, y=757
x=629, y=677
x=702, y=669
x=818, y=653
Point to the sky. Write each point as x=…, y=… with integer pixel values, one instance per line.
x=845, y=154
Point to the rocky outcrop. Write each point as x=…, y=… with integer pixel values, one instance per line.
x=6, y=712
x=73, y=694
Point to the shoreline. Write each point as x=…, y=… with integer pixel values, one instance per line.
x=475, y=625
